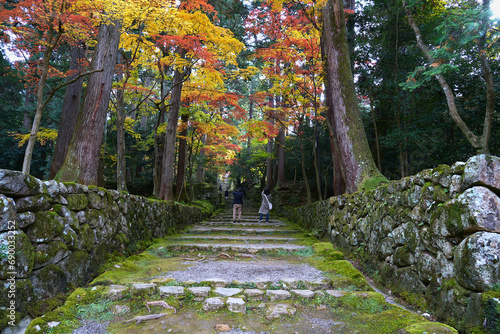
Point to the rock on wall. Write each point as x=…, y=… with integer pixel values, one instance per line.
x=433, y=238
x=54, y=235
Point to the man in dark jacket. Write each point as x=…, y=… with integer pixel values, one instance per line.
x=237, y=204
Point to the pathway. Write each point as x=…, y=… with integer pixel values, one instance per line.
x=224, y=277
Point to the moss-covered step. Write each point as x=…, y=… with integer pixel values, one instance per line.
x=242, y=223
x=251, y=239
x=242, y=248
x=349, y=312
x=239, y=230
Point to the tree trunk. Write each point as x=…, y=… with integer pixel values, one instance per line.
x=70, y=109
x=280, y=142
x=182, y=161
x=52, y=41
x=269, y=164
x=348, y=127
x=121, y=163
x=82, y=160
x=479, y=143
x=304, y=172
x=166, y=188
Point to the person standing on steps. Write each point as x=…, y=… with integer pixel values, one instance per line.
x=237, y=204
x=265, y=206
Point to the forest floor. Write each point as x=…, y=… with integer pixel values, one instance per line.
x=247, y=277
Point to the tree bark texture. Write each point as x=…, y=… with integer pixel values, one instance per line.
x=82, y=160
x=166, y=187
x=350, y=135
x=280, y=142
x=479, y=143
x=121, y=162
x=70, y=109
x=182, y=159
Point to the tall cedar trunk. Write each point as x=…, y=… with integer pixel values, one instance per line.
x=249, y=142
x=51, y=42
x=303, y=167
x=166, y=187
x=200, y=170
x=337, y=171
x=353, y=146
x=70, y=109
x=280, y=142
x=479, y=143
x=82, y=160
x=121, y=163
x=159, y=140
x=269, y=164
x=182, y=161
x=316, y=160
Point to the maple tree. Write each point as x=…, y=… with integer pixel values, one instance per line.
x=465, y=26
x=36, y=29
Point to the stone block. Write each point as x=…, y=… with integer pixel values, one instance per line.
x=116, y=292
x=482, y=170
x=280, y=310
x=477, y=261
x=200, y=291
x=227, y=292
x=142, y=288
x=336, y=293
x=236, y=305
x=175, y=291
x=7, y=213
x=308, y=294
x=15, y=183
x=17, y=254
x=212, y=304
x=254, y=293
x=275, y=295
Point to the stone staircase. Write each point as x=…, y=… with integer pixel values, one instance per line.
x=224, y=277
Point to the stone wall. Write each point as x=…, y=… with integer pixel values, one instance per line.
x=433, y=238
x=58, y=234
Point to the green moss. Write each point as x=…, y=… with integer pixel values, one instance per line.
x=47, y=225
x=93, y=187
x=373, y=183
x=326, y=250
x=491, y=304
x=430, y=327
x=70, y=184
x=77, y=202
x=49, y=253
x=441, y=168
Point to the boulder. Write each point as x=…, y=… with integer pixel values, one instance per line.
x=17, y=255
x=53, y=252
x=483, y=170
x=47, y=226
x=477, y=261
x=49, y=281
x=7, y=213
x=15, y=183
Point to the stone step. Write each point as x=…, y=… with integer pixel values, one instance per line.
x=242, y=248
x=214, y=296
x=254, y=239
x=242, y=223
x=239, y=230
x=243, y=219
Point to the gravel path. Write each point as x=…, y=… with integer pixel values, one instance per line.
x=247, y=271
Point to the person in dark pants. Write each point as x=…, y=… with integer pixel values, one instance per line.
x=265, y=205
x=237, y=204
